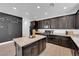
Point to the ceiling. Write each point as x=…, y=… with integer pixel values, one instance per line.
x=39, y=11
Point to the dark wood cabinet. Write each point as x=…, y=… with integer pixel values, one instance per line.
x=42, y=45
x=39, y=25
x=34, y=24
x=54, y=23
x=70, y=22
x=44, y=24
x=62, y=22
x=33, y=49
x=64, y=42
x=77, y=20
x=58, y=23
x=27, y=51
x=47, y=23
x=59, y=40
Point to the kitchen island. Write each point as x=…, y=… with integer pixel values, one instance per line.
x=26, y=46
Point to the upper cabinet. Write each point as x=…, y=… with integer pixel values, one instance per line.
x=62, y=22
x=70, y=21
x=54, y=23
x=34, y=25
x=39, y=24
x=77, y=20
x=44, y=24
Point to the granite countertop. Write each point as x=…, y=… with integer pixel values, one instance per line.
x=22, y=41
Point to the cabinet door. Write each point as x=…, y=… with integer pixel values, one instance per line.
x=44, y=43
x=42, y=24
x=77, y=21
x=54, y=23
x=34, y=49
x=62, y=23
x=39, y=24
x=64, y=41
x=58, y=40
x=47, y=23
x=70, y=22
x=40, y=46
x=31, y=50
x=27, y=51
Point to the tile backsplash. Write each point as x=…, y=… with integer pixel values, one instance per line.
x=61, y=31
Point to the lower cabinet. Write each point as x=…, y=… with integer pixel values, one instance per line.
x=27, y=51
x=35, y=48
x=34, y=51
x=30, y=50
x=42, y=45
x=74, y=48
x=65, y=42
x=59, y=40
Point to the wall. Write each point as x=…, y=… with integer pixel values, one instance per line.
x=25, y=26
x=7, y=49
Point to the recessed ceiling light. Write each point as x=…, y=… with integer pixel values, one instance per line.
x=51, y=4
x=14, y=7
x=38, y=7
x=25, y=22
x=65, y=7
x=45, y=13
x=27, y=13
